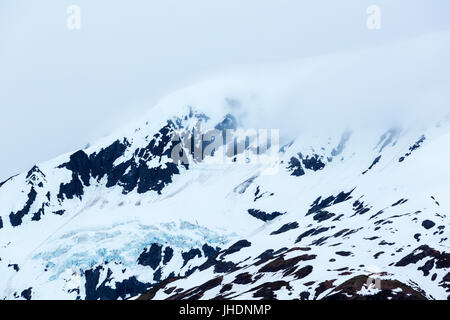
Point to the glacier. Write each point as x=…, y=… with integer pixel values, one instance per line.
x=360, y=191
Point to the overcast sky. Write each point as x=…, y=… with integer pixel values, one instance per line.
x=60, y=89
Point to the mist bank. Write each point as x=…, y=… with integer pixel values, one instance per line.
x=399, y=85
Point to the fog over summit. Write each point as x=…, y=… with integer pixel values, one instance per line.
x=398, y=85
x=68, y=87
x=349, y=201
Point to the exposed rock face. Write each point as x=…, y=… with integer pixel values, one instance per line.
x=122, y=220
x=362, y=288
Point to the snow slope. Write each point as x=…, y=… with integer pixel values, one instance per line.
x=358, y=189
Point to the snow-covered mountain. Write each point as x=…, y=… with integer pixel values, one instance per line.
x=356, y=191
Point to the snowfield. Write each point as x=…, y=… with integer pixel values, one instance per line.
x=357, y=208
